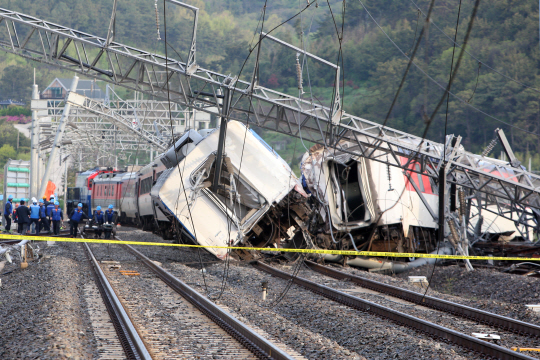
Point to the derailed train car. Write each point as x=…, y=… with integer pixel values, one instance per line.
x=370, y=206
x=260, y=201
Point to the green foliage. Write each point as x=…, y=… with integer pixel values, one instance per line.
x=13, y=110
x=7, y=152
x=504, y=37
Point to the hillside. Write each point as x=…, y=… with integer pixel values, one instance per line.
x=504, y=39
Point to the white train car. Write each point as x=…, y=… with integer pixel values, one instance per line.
x=256, y=185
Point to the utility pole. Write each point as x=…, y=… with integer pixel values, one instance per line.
x=65, y=183
x=57, y=139
x=34, y=142
x=221, y=142
x=442, y=186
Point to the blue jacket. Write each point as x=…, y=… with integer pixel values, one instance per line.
x=56, y=214
x=50, y=207
x=110, y=216
x=42, y=211
x=8, y=208
x=34, y=211
x=98, y=218
x=77, y=215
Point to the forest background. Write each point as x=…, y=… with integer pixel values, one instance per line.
x=500, y=79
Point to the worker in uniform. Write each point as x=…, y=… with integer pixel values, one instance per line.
x=23, y=218
x=76, y=216
x=34, y=216
x=8, y=210
x=56, y=216
x=45, y=202
x=110, y=221
x=98, y=219
x=49, y=208
x=43, y=221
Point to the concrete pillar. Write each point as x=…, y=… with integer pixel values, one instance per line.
x=34, y=143
x=57, y=139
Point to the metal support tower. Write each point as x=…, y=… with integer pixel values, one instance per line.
x=57, y=140
x=512, y=195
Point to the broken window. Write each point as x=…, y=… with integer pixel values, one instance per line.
x=233, y=192
x=348, y=193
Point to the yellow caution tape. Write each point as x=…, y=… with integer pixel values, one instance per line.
x=303, y=251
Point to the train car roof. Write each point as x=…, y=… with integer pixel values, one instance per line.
x=108, y=177
x=129, y=175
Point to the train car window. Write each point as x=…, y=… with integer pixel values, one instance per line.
x=348, y=191
x=146, y=185
x=248, y=200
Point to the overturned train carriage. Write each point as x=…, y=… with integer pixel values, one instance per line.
x=367, y=205
x=259, y=201
x=376, y=204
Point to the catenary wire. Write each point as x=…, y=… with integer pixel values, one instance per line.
x=475, y=57
x=437, y=83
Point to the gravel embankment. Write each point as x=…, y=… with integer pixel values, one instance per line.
x=44, y=311
x=314, y=326
x=43, y=308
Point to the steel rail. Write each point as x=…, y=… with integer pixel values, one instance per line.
x=131, y=342
x=436, y=331
x=258, y=345
x=499, y=321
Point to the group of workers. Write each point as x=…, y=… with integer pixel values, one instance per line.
x=45, y=213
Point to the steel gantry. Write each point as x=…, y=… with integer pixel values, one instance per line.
x=512, y=190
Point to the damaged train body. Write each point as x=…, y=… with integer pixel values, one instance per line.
x=249, y=207
x=367, y=205
x=354, y=194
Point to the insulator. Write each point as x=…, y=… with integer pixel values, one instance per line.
x=454, y=234
x=490, y=147
x=157, y=22
x=299, y=73
x=389, y=176
x=461, y=202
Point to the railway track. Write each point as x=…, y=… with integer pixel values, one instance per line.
x=484, y=317
x=256, y=344
x=208, y=331
x=131, y=342
x=480, y=347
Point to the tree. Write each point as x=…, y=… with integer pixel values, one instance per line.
x=16, y=83
x=7, y=152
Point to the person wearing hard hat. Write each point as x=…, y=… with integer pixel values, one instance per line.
x=98, y=219
x=43, y=221
x=8, y=210
x=111, y=217
x=45, y=202
x=56, y=215
x=34, y=215
x=76, y=216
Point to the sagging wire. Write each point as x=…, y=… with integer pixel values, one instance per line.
x=415, y=32
x=296, y=270
x=475, y=86
x=441, y=86
x=453, y=73
x=471, y=55
x=172, y=136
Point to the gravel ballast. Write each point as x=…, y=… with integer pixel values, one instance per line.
x=45, y=314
